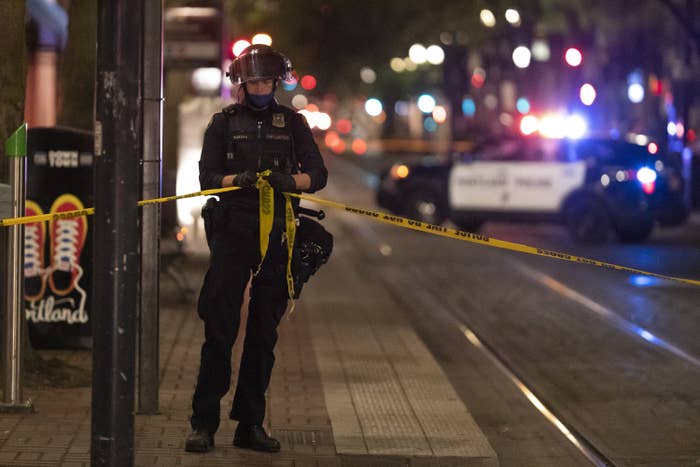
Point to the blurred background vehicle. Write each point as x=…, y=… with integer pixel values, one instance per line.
x=595, y=186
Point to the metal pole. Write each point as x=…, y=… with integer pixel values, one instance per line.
x=118, y=145
x=150, y=215
x=14, y=292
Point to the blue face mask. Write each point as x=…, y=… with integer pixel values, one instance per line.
x=261, y=100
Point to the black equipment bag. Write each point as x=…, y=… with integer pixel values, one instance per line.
x=314, y=245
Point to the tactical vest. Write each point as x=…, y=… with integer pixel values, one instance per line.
x=259, y=141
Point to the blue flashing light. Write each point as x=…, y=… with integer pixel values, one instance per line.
x=523, y=105
x=468, y=107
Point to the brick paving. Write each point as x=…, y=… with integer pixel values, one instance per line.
x=353, y=386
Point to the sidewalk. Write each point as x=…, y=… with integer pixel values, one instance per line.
x=352, y=386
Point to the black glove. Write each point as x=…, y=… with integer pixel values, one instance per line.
x=245, y=179
x=281, y=182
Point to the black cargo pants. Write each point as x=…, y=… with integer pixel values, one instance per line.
x=235, y=254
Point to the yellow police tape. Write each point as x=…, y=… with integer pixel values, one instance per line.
x=379, y=217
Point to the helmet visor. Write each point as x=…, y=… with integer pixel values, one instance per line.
x=256, y=66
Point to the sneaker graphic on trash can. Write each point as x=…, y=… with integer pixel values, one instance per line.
x=67, y=242
x=34, y=247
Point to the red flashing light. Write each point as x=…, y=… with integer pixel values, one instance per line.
x=691, y=135
x=308, y=82
x=653, y=148
x=649, y=187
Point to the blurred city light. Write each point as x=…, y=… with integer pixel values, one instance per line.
x=299, y=101
x=308, y=82
x=652, y=148
x=430, y=124
x=316, y=119
x=446, y=38
x=359, y=146
x=552, y=126
x=575, y=127
x=529, y=124
x=206, y=80
x=344, y=126
x=239, y=46
x=641, y=140
x=440, y=114
x=418, y=54
x=671, y=128
x=373, y=107
x=521, y=56
x=587, y=94
x=523, y=105
x=491, y=101
x=331, y=139
x=468, y=107
x=402, y=108
x=381, y=118
x=635, y=93
x=323, y=121
x=367, y=75
x=426, y=103
x=655, y=85
x=409, y=64
x=397, y=64
x=680, y=129
x=478, y=77
x=262, y=38
x=487, y=18
x=399, y=171
x=435, y=54
x=540, y=50
x=646, y=175
x=513, y=16
x=339, y=147
x=506, y=119
x=573, y=56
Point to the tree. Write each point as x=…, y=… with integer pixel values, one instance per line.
x=77, y=74
x=12, y=70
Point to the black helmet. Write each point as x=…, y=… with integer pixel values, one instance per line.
x=257, y=62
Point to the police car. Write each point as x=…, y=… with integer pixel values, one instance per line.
x=595, y=187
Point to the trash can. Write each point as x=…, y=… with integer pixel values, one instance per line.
x=58, y=252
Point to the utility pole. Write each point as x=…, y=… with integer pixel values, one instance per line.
x=118, y=144
x=148, y=380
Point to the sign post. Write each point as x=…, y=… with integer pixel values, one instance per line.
x=16, y=150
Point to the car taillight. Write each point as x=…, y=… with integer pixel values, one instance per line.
x=647, y=177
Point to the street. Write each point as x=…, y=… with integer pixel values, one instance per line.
x=614, y=356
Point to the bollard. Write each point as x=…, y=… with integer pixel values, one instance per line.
x=13, y=306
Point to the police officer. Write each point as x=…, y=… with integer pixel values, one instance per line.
x=252, y=136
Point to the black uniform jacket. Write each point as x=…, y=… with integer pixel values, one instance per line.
x=242, y=138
